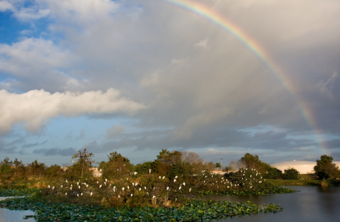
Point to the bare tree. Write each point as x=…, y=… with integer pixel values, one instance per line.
x=84, y=159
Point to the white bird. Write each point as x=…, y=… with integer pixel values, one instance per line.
x=65, y=194
x=183, y=183
x=140, y=189
x=131, y=194
x=133, y=184
x=66, y=181
x=174, y=180
x=91, y=194
x=159, y=177
x=144, y=188
x=87, y=185
x=189, y=189
x=154, y=196
x=53, y=188
x=79, y=187
x=118, y=196
x=48, y=186
x=176, y=177
x=123, y=189
x=167, y=188
x=147, y=193
x=61, y=186
x=105, y=180
x=163, y=177
x=179, y=188
x=77, y=194
x=100, y=186
x=97, y=181
x=81, y=194
x=70, y=188
x=128, y=187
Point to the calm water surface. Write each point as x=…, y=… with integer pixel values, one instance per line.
x=311, y=204
x=14, y=215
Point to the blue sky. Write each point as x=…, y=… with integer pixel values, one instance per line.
x=138, y=76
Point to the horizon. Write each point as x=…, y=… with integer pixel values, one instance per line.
x=219, y=78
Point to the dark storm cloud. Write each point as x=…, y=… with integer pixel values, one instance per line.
x=193, y=77
x=211, y=137
x=33, y=144
x=56, y=151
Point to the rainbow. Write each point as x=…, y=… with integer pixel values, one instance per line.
x=260, y=53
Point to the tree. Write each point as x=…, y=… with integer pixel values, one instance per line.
x=84, y=161
x=117, y=166
x=193, y=164
x=325, y=168
x=273, y=173
x=253, y=162
x=218, y=165
x=291, y=174
x=6, y=166
x=144, y=167
x=166, y=161
x=53, y=172
x=36, y=169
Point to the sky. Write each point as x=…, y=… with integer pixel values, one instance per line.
x=139, y=76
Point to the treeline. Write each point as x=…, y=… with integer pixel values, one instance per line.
x=169, y=163
x=324, y=168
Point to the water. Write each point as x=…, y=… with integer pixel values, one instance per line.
x=311, y=204
x=14, y=215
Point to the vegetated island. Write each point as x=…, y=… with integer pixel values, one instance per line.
x=166, y=189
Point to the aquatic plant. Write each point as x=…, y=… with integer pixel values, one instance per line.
x=192, y=210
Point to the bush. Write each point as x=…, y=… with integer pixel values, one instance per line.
x=291, y=174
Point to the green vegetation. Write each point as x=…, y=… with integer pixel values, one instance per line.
x=326, y=169
x=253, y=162
x=191, y=210
x=155, y=190
x=291, y=174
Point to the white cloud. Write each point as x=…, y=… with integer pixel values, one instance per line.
x=36, y=107
x=114, y=131
x=30, y=14
x=4, y=6
x=22, y=13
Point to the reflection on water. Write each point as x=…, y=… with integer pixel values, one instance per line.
x=311, y=204
x=14, y=215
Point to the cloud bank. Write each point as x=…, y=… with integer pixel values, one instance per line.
x=36, y=107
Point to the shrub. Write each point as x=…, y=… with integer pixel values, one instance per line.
x=291, y=174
